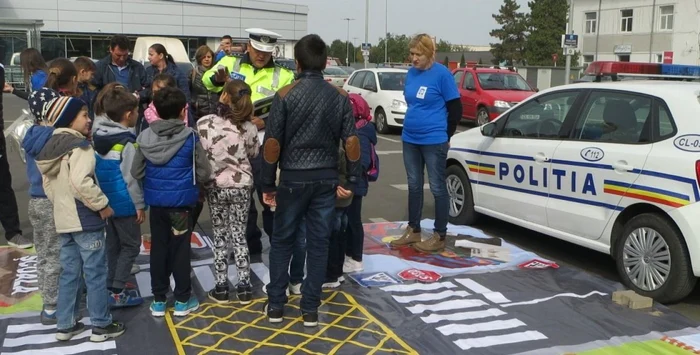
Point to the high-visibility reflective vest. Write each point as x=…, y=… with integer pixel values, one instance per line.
x=264, y=83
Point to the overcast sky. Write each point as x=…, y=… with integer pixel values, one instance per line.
x=456, y=21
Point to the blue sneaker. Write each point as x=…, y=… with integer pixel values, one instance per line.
x=158, y=309
x=49, y=319
x=184, y=308
x=124, y=299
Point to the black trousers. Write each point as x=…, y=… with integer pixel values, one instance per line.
x=170, y=253
x=355, y=233
x=253, y=233
x=9, y=214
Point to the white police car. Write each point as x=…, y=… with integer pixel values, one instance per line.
x=611, y=166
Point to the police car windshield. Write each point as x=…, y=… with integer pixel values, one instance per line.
x=392, y=81
x=501, y=81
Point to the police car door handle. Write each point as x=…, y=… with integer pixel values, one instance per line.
x=541, y=158
x=622, y=166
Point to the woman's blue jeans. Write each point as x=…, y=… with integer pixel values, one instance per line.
x=416, y=158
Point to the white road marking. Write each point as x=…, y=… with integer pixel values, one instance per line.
x=492, y=312
x=388, y=139
x=69, y=350
x=205, y=277
x=404, y=187
x=143, y=279
x=39, y=339
x=261, y=271
x=418, y=287
x=378, y=220
x=387, y=152
x=483, y=342
x=495, y=297
x=23, y=328
x=446, y=306
x=431, y=296
x=452, y=329
x=555, y=296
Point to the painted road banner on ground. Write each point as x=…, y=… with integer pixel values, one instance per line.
x=484, y=313
x=537, y=264
x=19, y=281
x=374, y=279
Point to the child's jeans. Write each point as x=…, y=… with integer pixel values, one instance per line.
x=355, y=234
x=170, y=253
x=83, y=252
x=48, y=249
x=123, y=246
x=336, y=249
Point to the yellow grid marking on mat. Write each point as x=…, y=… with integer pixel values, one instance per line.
x=184, y=335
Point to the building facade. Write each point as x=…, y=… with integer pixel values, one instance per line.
x=71, y=28
x=638, y=30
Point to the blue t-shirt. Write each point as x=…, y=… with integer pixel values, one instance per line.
x=426, y=93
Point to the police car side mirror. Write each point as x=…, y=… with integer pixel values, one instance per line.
x=488, y=130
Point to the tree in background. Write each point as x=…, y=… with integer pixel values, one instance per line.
x=546, y=24
x=446, y=62
x=462, y=62
x=512, y=34
x=398, y=49
x=443, y=46
x=338, y=49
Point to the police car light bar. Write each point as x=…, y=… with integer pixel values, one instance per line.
x=651, y=70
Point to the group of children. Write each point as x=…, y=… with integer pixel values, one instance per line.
x=91, y=185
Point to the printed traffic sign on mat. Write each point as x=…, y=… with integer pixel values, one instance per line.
x=480, y=302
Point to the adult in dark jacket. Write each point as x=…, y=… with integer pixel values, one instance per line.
x=203, y=101
x=9, y=214
x=307, y=121
x=163, y=63
x=118, y=67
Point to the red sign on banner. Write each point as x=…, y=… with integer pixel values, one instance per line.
x=538, y=264
x=668, y=57
x=420, y=275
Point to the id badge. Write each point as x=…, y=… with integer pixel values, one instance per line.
x=237, y=76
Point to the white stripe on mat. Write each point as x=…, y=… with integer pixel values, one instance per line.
x=451, y=329
x=431, y=296
x=261, y=271
x=143, y=280
x=39, y=339
x=418, y=287
x=483, y=342
x=434, y=318
x=539, y=300
x=69, y=350
x=495, y=297
x=446, y=306
x=378, y=220
x=205, y=277
x=23, y=328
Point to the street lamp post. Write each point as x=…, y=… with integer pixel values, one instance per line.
x=366, y=29
x=386, y=31
x=347, y=43
x=569, y=29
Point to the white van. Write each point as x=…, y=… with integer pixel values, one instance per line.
x=174, y=46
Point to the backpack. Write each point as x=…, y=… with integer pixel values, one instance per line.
x=362, y=114
x=373, y=171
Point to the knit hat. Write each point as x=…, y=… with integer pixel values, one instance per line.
x=360, y=108
x=38, y=101
x=63, y=110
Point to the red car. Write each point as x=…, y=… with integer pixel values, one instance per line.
x=487, y=92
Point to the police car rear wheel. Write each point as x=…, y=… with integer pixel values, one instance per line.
x=653, y=259
x=380, y=121
x=461, y=198
x=482, y=116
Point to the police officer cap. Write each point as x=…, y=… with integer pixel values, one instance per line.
x=263, y=40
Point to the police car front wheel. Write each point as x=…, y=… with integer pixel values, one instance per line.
x=652, y=259
x=461, y=198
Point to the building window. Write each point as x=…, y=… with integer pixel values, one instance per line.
x=666, y=22
x=587, y=59
x=52, y=46
x=659, y=58
x=623, y=57
x=627, y=16
x=591, y=22
x=77, y=47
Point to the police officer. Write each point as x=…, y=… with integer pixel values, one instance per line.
x=258, y=69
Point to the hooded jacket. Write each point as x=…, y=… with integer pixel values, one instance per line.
x=114, y=145
x=67, y=163
x=170, y=161
x=34, y=141
x=368, y=138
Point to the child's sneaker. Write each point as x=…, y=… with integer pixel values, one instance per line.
x=219, y=294
x=48, y=319
x=273, y=315
x=124, y=299
x=332, y=283
x=184, y=308
x=244, y=293
x=108, y=332
x=68, y=334
x=135, y=269
x=310, y=319
x=158, y=309
x=351, y=266
x=295, y=289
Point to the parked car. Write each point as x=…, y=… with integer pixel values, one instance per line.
x=335, y=75
x=487, y=92
x=347, y=69
x=382, y=88
x=287, y=63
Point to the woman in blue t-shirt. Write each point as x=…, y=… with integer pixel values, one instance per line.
x=434, y=109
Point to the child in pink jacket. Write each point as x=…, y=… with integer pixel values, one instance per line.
x=160, y=81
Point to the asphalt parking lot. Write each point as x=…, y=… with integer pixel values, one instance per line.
x=387, y=201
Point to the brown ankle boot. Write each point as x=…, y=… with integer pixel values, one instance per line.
x=409, y=237
x=432, y=245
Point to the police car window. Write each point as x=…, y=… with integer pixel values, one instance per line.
x=458, y=77
x=541, y=117
x=357, y=79
x=666, y=126
x=615, y=118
